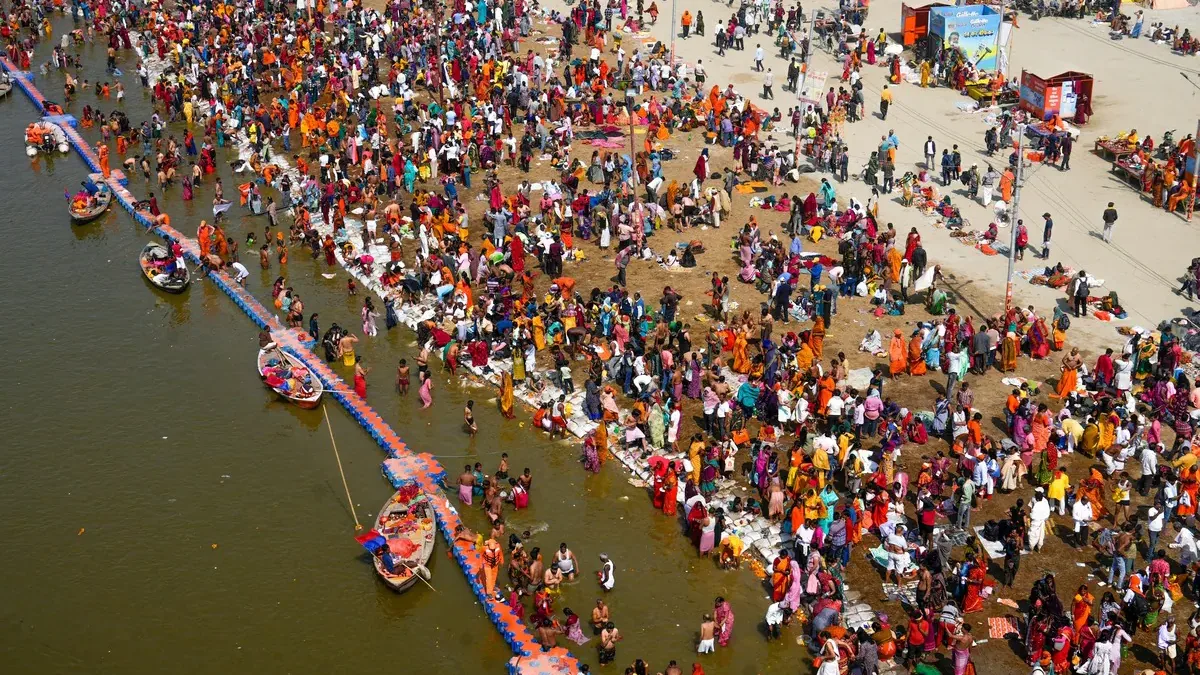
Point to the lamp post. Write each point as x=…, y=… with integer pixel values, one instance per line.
x=630, y=98
x=1014, y=212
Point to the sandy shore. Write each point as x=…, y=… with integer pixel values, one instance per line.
x=1138, y=85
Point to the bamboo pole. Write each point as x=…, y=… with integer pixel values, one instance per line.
x=349, y=501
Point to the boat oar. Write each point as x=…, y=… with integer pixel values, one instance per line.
x=418, y=575
x=349, y=501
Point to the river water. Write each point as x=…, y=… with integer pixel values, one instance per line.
x=161, y=509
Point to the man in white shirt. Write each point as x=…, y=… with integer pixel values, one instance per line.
x=777, y=615
x=1185, y=541
x=1149, y=461
x=1170, y=496
x=242, y=274
x=834, y=410
x=898, y=559
x=952, y=370
x=1166, y=644
x=1081, y=513
x=1039, y=513
x=723, y=411
x=1154, y=526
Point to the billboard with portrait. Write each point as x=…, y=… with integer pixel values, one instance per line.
x=971, y=30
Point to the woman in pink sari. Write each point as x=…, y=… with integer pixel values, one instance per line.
x=870, y=52
x=723, y=617
x=425, y=393
x=792, y=599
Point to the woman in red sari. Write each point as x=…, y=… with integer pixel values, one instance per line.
x=1039, y=343
x=879, y=509
x=659, y=485
x=1060, y=649
x=976, y=582
x=670, y=495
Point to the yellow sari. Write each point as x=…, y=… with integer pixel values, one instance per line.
x=539, y=332
x=506, y=395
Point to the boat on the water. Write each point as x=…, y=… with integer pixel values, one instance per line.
x=95, y=205
x=162, y=270
x=45, y=137
x=287, y=376
x=402, y=541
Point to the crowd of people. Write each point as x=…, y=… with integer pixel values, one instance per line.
x=389, y=117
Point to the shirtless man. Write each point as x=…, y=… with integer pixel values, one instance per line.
x=423, y=360
x=673, y=669
x=609, y=637
x=565, y=560
x=461, y=533
x=548, y=635
x=402, y=377
x=707, y=630
x=498, y=530
x=495, y=508
x=466, y=485
x=599, y=617
x=552, y=578
x=536, y=569
x=526, y=481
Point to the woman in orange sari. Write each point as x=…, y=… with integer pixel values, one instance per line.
x=825, y=387
x=894, y=259
x=804, y=357
x=1190, y=485
x=1092, y=487
x=781, y=576
x=817, y=337
x=1108, y=430
x=896, y=355
x=600, y=436
x=1081, y=610
x=1009, y=349
x=916, y=364
x=741, y=363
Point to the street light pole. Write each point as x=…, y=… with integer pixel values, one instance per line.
x=812, y=21
x=999, y=31
x=674, y=32
x=630, y=96
x=1012, y=222
x=1195, y=171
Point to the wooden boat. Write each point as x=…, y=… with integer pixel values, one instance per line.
x=5, y=89
x=406, y=522
x=175, y=283
x=287, y=376
x=103, y=199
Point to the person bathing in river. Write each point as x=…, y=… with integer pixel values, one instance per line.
x=466, y=485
